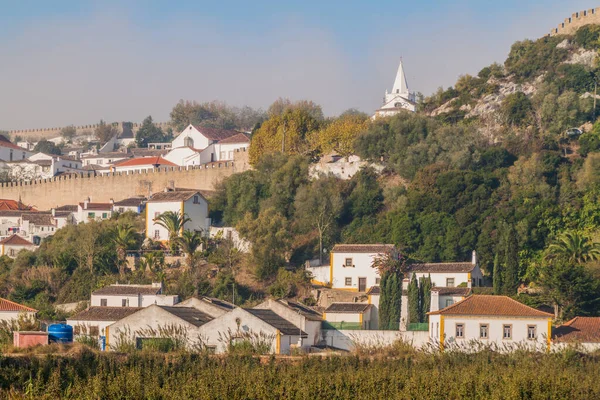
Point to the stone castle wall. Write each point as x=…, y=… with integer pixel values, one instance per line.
x=72, y=189
x=576, y=21
x=49, y=133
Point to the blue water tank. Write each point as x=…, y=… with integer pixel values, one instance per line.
x=60, y=333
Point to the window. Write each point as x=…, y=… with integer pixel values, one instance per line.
x=11, y=155
x=188, y=142
x=12, y=252
x=449, y=282
x=483, y=331
x=223, y=155
x=124, y=302
x=157, y=234
x=531, y=332
x=449, y=302
x=196, y=199
x=121, y=209
x=104, y=215
x=348, y=262
x=23, y=156
x=377, y=281
x=348, y=282
x=91, y=215
x=460, y=331
x=507, y=332
x=103, y=302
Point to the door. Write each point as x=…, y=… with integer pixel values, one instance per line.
x=362, y=284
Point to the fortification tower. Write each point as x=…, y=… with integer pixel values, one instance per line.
x=576, y=21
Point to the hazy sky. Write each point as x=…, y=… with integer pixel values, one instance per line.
x=75, y=62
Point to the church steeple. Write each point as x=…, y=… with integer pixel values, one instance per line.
x=400, y=84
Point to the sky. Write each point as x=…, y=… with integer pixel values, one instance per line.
x=76, y=62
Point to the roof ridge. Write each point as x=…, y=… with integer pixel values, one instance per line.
x=17, y=304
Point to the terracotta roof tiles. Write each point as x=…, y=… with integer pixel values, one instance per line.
x=443, y=267
x=216, y=134
x=363, y=248
x=172, y=196
x=104, y=313
x=491, y=305
x=140, y=161
x=16, y=240
x=579, y=330
x=348, y=308
x=118, y=290
x=7, y=305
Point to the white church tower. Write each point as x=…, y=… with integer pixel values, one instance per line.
x=400, y=98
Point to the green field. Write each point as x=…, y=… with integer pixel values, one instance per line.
x=406, y=375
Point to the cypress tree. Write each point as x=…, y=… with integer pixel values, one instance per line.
x=426, y=300
x=510, y=278
x=384, y=302
x=413, y=300
x=395, y=301
x=497, y=278
x=421, y=298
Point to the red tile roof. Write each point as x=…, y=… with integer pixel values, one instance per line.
x=491, y=305
x=145, y=161
x=97, y=206
x=579, y=330
x=239, y=138
x=442, y=267
x=363, y=248
x=15, y=240
x=7, y=305
x=4, y=142
x=216, y=134
x=7, y=204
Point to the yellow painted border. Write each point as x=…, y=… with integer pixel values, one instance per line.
x=549, y=333
x=278, y=343
x=324, y=317
x=360, y=319
x=107, y=334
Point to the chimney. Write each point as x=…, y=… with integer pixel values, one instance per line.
x=112, y=202
x=85, y=203
x=53, y=211
x=435, y=301
x=474, y=258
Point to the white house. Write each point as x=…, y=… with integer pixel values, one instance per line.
x=141, y=164
x=10, y=311
x=400, y=99
x=58, y=163
x=105, y=159
x=451, y=274
x=12, y=152
x=230, y=233
x=10, y=222
x=351, y=266
x=12, y=245
x=38, y=224
x=94, y=320
x=216, y=144
x=349, y=316
x=133, y=204
x=304, y=317
x=87, y=211
x=497, y=320
x=188, y=203
x=119, y=295
x=442, y=297
x=186, y=156
x=581, y=332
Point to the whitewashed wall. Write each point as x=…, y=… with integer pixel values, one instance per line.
x=345, y=340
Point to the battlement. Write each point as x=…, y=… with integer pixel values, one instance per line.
x=576, y=21
x=48, y=133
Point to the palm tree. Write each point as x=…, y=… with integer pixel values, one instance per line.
x=189, y=242
x=173, y=222
x=124, y=238
x=574, y=248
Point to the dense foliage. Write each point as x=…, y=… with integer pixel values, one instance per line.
x=408, y=375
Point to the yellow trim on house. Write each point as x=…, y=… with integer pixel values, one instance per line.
x=324, y=317
x=278, y=343
x=469, y=279
x=360, y=319
x=369, y=299
x=442, y=332
x=315, y=282
x=107, y=335
x=549, y=339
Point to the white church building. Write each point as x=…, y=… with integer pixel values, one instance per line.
x=399, y=99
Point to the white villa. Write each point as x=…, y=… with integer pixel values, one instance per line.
x=9, y=311
x=490, y=319
x=399, y=99
x=183, y=201
x=120, y=295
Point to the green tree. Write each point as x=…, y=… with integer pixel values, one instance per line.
x=384, y=302
x=104, y=132
x=517, y=109
x=510, y=279
x=174, y=223
x=68, y=132
x=391, y=267
x=47, y=147
x=575, y=248
x=270, y=237
x=189, y=242
x=425, y=287
x=124, y=238
x=150, y=133
x=318, y=204
x=497, y=275
x=413, y=300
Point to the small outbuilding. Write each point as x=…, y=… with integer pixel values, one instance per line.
x=29, y=338
x=580, y=331
x=346, y=316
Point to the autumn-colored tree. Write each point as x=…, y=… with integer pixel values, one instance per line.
x=339, y=136
x=286, y=133
x=104, y=132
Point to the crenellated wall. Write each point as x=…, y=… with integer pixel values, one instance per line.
x=576, y=21
x=49, y=133
x=72, y=189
